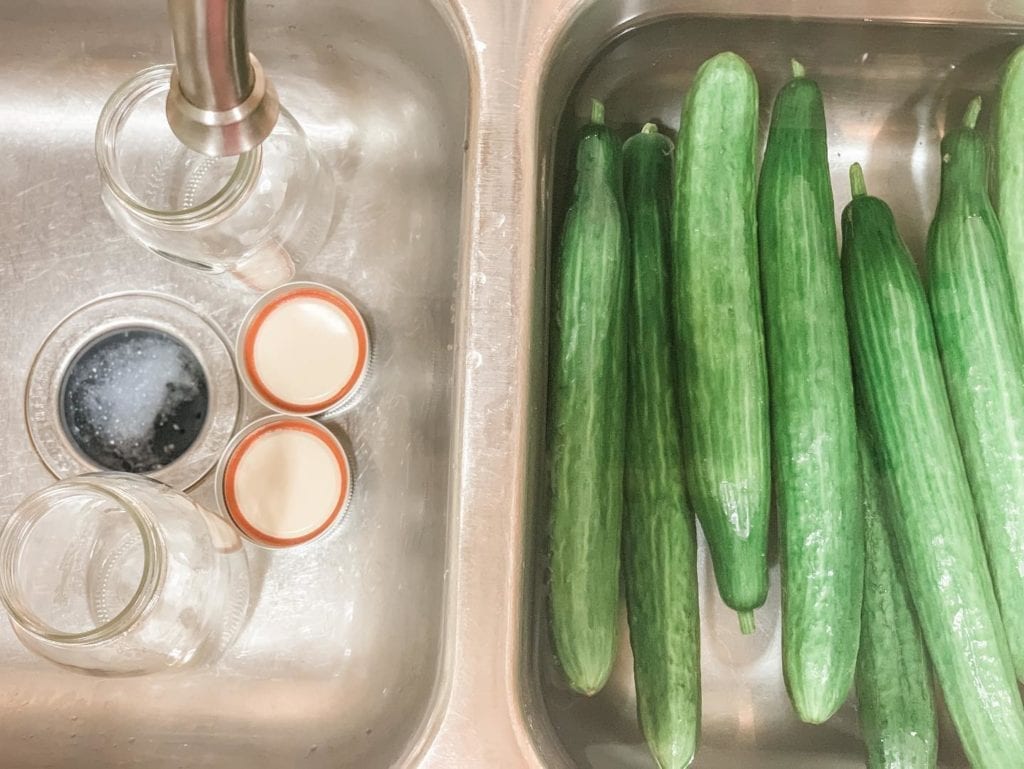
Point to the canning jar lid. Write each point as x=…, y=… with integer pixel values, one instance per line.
x=304, y=349
x=284, y=481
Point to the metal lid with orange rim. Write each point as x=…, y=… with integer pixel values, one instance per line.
x=304, y=349
x=284, y=481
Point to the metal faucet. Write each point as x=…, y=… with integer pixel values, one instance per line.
x=220, y=101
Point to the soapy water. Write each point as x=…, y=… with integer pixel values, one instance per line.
x=134, y=400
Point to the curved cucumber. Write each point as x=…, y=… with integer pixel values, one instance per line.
x=980, y=340
x=814, y=433
x=894, y=686
x=1009, y=168
x=587, y=412
x=899, y=379
x=659, y=532
x=719, y=328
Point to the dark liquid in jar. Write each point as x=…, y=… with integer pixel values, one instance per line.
x=134, y=400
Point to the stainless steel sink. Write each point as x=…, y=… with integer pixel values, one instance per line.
x=416, y=633
x=341, y=664
x=889, y=86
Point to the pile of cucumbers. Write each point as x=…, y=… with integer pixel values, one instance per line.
x=715, y=356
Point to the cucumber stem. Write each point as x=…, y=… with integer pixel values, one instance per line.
x=857, y=185
x=746, y=622
x=798, y=68
x=596, y=112
x=971, y=114
x=649, y=128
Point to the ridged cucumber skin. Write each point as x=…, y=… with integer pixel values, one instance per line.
x=659, y=531
x=719, y=329
x=586, y=429
x=1008, y=165
x=894, y=685
x=813, y=419
x=898, y=377
x=978, y=330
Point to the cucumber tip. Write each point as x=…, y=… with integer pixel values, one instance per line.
x=857, y=184
x=747, y=625
x=972, y=112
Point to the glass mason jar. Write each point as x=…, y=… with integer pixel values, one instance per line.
x=255, y=214
x=118, y=574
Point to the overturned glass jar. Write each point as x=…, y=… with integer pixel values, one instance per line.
x=117, y=574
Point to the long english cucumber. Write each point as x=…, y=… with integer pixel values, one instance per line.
x=1009, y=168
x=814, y=433
x=982, y=349
x=899, y=378
x=659, y=531
x=719, y=328
x=894, y=685
x=586, y=438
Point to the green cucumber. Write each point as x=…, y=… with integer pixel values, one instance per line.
x=894, y=686
x=814, y=429
x=899, y=378
x=1009, y=168
x=982, y=348
x=659, y=532
x=719, y=329
x=586, y=430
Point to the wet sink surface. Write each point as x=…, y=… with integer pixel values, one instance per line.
x=888, y=90
x=341, y=663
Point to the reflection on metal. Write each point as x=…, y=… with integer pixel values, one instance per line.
x=220, y=102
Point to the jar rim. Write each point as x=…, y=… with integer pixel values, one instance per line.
x=145, y=84
x=17, y=531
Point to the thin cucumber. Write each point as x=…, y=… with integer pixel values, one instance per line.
x=1009, y=168
x=982, y=348
x=899, y=378
x=587, y=413
x=814, y=433
x=894, y=685
x=659, y=532
x=719, y=329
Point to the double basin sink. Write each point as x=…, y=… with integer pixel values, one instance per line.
x=415, y=635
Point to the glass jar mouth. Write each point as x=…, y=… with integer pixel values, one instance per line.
x=16, y=534
x=119, y=107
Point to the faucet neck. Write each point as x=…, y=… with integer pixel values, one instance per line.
x=220, y=102
x=211, y=52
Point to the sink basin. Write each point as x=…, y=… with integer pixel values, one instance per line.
x=342, y=663
x=890, y=87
